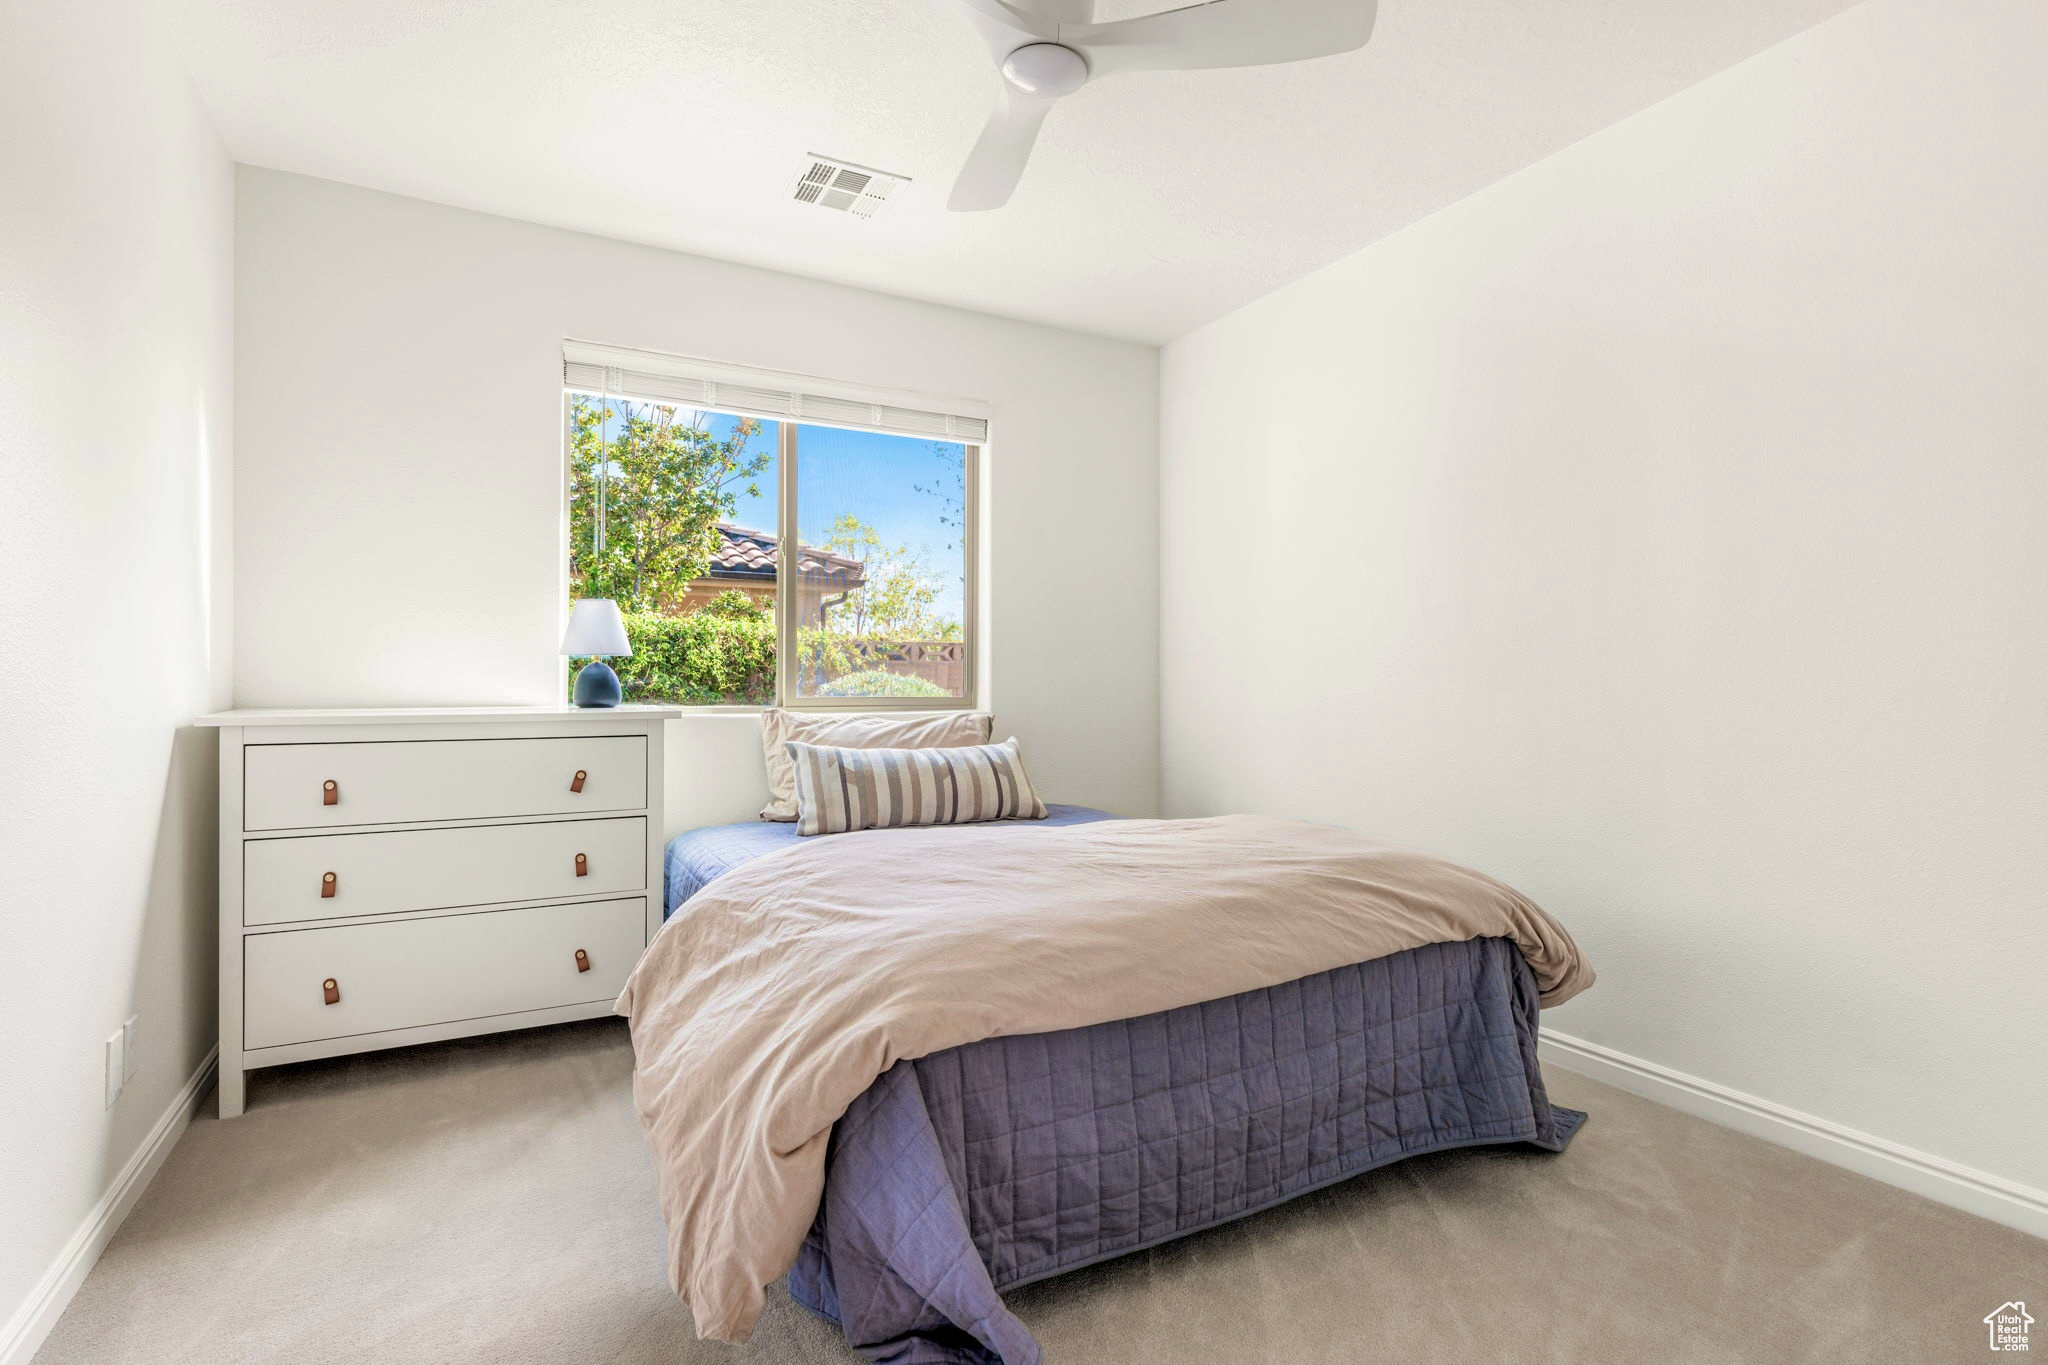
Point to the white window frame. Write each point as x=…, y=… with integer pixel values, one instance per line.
x=792, y=401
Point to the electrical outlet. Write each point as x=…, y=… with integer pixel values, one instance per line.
x=114, y=1051
x=131, y=1048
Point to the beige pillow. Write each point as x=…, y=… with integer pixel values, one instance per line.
x=949, y=730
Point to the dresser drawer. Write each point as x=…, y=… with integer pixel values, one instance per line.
x=286, y=786
x=284, y=880
x=405, y=973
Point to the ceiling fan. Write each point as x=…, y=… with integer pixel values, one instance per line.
x=1049, y=48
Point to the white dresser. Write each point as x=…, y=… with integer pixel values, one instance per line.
x=402, y=876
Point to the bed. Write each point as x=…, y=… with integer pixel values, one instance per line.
x=960, y=1172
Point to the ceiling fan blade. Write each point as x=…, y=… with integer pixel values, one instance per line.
x=1224, y=33
x=1005, y=27
x=997, y=162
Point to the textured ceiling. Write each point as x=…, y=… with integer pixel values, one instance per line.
x=1154, y=203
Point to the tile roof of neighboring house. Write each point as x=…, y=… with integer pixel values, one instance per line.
x=742, y=553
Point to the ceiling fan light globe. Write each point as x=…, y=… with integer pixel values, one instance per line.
x=1045, y=71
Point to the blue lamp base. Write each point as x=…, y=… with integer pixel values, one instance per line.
x=597, y=685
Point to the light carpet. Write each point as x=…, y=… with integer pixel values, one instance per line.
x=491, y=1201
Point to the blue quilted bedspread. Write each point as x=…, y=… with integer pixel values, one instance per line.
x=980, y=1168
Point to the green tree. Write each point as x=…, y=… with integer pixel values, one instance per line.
x=896, y=596
x=667, y=485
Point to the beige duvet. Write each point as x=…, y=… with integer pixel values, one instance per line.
x=783, y=989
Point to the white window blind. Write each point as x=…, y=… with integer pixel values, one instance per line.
x=648, y=376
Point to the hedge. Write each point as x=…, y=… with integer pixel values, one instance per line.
x=879, y=682
x=726, y=654
x=700, y=659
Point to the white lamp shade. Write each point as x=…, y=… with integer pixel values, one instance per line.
x=595, y=628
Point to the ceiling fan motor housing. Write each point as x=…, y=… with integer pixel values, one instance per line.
x=1045, y=71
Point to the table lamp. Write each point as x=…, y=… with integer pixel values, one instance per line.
x=595, y=629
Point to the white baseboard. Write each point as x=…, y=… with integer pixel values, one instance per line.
x=1945, y=1182
x=31, y=1322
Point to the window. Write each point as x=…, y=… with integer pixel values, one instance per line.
x=759, y=555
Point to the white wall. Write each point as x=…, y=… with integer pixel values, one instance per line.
x=1679, y=555
x=399, y=475
x=116, y=205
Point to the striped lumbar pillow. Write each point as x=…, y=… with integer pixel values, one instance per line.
x=846, y=789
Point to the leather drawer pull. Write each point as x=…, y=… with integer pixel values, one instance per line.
x=330, y=793
x=582, y=960
x=582, y=866
x=331, y=991
x=576, y=783
x=327, y=887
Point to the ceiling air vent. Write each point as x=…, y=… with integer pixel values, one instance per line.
x=859, y=190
